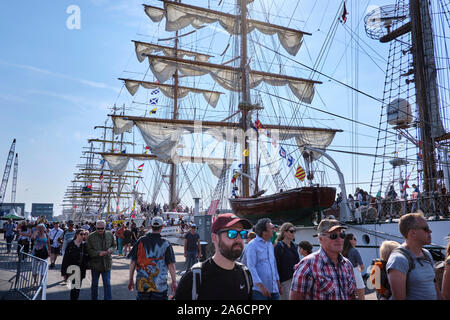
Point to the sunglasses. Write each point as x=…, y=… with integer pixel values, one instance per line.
x=100, y=228
x=232, y=234
x=334, y=236
x=291, y=231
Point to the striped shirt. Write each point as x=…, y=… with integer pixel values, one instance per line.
x=318, y=278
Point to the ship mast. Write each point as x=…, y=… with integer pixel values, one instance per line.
x=173, y=197
x=245, y=192
x=426, y=89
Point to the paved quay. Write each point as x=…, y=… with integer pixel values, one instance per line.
x=57, y=290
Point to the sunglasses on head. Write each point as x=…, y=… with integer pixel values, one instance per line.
x=334, y=236
x=232, y=234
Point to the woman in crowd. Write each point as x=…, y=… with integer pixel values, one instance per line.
x=351, y=253
x=286, y=255
x=75, y=255
x=41, y=250
x=24, y=237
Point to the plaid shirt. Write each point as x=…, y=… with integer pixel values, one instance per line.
x=318, y=278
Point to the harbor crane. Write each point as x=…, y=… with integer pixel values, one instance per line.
x=14, y=185
x=9, y=162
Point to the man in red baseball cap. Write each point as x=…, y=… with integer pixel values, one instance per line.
x=220, y=277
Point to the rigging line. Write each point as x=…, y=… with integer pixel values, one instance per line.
x=362, y=48
x=321, y=73
x=327, y=112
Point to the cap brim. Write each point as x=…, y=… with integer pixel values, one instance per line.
x=335, y=228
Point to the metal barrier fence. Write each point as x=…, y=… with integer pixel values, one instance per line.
x=431, y=206
x=31, y=272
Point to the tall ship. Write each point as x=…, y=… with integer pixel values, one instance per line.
x=222, y=114
x=226, y=114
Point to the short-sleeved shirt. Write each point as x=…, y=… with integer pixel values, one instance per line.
x=420, y=280
x=216, y=284
x=152, y=255
x=54, y=235
x=9, y=227
x=355, y=257
x=192, y=241
x=317, y=277
x=68, y=236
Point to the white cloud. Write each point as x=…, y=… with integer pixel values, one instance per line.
x=84, y=104
x=92, y=84
x=12, y=98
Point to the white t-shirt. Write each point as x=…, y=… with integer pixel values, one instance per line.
x=54, y=235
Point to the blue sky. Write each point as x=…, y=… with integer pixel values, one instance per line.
x=57, y=83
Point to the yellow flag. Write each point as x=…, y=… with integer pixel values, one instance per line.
x=245, y=153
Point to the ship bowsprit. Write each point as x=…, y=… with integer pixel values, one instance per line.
x=295, y=205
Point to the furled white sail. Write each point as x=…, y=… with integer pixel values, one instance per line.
x=122, y=125
x=143, y=48
x=163, y=139
x=211, y=97
x=229, y=77
x=118, y=164
x=179, y=16
x=319, y=140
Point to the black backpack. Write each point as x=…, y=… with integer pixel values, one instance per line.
x=197, y=277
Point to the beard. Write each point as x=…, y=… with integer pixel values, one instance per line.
x=231, y=253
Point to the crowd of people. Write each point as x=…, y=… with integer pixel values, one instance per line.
x=366, y=207
x=248, y=262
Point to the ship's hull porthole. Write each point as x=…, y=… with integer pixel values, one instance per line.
x=366, y=239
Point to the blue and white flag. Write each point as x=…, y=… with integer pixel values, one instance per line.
x=153, y=100
x=156, y=91
x=290, y=160
x=282, y=152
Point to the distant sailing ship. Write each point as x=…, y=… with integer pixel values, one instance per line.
x=96, y=192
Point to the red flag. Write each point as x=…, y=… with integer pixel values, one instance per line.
x=344, y=14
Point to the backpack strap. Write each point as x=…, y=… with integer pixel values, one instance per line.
x=407, y=254
x=246, y=272
x=196, y=279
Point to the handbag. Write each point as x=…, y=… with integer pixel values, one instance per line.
x=41, y=253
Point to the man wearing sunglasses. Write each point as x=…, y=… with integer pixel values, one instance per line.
x=325, y=274
x=220, y=277
x=411, y=267
x=100, y=245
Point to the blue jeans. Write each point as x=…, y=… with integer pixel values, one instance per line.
x=9, y=240
x=106, y=279
x=191, y=259
x=152, y=296
x=256, y=295
x=119, y=245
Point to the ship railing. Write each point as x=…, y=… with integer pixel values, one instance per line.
x=29, y=273
x=435, y=205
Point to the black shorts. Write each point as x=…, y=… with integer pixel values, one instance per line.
x=54, y=250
